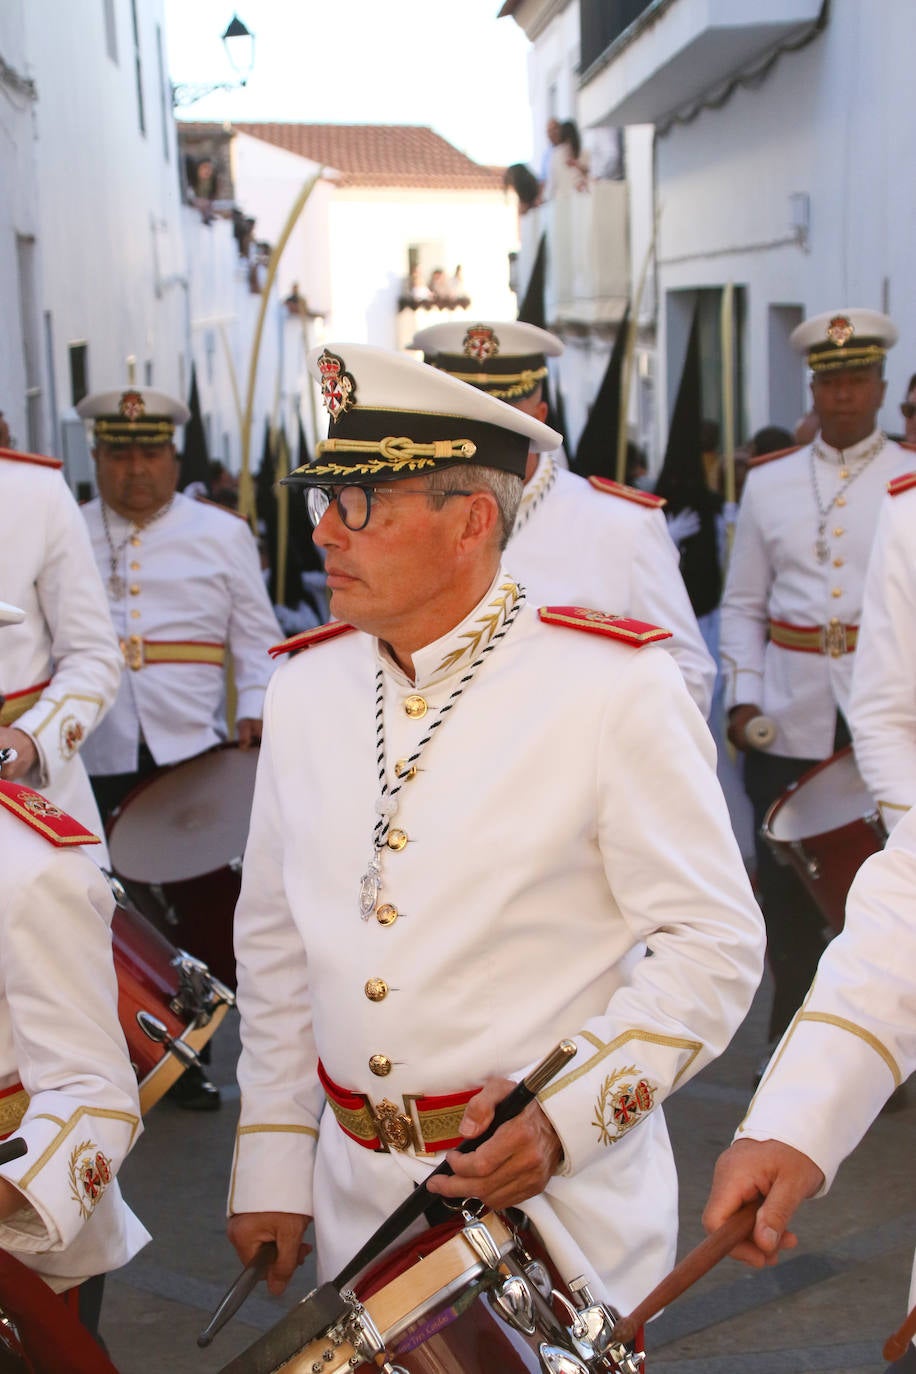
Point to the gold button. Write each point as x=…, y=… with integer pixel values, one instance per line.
x=403, y=772
x=837, y=591
x=135, y=615
x=416, y=707
x=135, y=567
x=396, y=839
x=838, y=562
x=135, y=541
x=834, y=620
x=387, y=914
x=844, y=473
x=135, y=589
x=841, y=500
x=380, y=1065
x=839, y=530
x=376, y=989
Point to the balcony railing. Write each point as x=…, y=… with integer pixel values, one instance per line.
x=601, y=22
x=587, y=278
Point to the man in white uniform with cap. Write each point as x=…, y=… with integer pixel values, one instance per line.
x=66, y=1082
x=469, y=826
x=882, y=707
x=793, y=602
x=185, y=592
x=59, y=668
x=851, y=1045
x=594, y=543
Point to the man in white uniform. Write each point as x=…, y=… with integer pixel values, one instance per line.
x=59, y=668
x=593, y=543
x=793, y=602
x=851, y=1045
x=185, y=591
x=66, y=1082
x=469, y=826
x=882, y=706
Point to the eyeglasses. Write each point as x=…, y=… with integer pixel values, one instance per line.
x=907, y=410
x=354, y=504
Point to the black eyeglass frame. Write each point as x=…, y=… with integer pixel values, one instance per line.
x=322, y=497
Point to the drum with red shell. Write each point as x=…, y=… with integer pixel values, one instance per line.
x=177, y=842
x=825, y=826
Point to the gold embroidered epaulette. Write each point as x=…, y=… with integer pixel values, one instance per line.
x=320, y=634
x=901, y=484
x=229, y=510
x=640, y=498
x=41, y=815
x=771, y=457
x=38, y=459
x=636, y=633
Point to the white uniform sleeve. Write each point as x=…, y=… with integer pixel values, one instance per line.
x=84, y=647
x=854, y=1039
x=658, y=595
x=744, y=619
x=882, y=708
x=83, y=1114
x=253, y=626
x=677, y=876
x=277, y=1071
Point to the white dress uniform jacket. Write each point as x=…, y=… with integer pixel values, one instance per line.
x=882, y=708
x=774, y=574
x=554, y=833
x=60, y=1038
x=66, y=638
x=192, y=579
x=607, y=549
x=854, y=1039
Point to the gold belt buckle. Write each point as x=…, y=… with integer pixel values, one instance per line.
x=835, y=639
x=132, y=649
x=394, y=1127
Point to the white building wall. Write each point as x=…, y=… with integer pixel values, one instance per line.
x=829, y=122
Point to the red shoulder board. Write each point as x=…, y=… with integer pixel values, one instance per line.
x=41, y=815
x=229, y=510
x=612, y=488
x=309, y=638
x=902, y=484
x=771, y=457
x=38, y=458
x=634, y=632
x=902, y=443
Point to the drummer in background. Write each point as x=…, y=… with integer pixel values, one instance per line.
x=882, y=706
x=852, y=1044
x=59, y=668
x=469, y=824
x=587, y=543
x=792, y=605
x=184, y=588
x=66, y=1082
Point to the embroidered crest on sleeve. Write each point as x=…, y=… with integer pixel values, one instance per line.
x=90, y=1175
x=620, y=1105
x=72, y=734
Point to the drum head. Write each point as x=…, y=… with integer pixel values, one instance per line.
x=187, y=821
x=827, y=798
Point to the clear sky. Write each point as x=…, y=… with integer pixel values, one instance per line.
x=450, y=64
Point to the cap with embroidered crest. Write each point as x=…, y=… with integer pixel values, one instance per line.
x=134, y=415
x=392, y=417
x=507, y=359
x=844, y=339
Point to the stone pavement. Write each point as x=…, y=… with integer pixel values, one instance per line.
x=828, y=1308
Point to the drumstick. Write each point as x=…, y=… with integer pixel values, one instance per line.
x=693, y=1266
x=250, y=1276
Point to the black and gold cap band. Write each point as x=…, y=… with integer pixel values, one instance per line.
x=507, y=377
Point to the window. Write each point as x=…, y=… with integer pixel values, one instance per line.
x=138, y=66
x=79, y=372
x=111, y=30
x=148, y=373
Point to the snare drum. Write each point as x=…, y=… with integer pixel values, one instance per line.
x=826, y=825
x=177, y=842
x=157, y=980
x=441, y=1304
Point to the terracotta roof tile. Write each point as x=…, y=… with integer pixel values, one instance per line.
x=381, y=155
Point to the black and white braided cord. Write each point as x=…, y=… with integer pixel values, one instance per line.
x=527, y=509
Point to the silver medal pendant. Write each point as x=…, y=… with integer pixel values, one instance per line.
x=821, y=550
x=370, y=884
x=116, y=587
